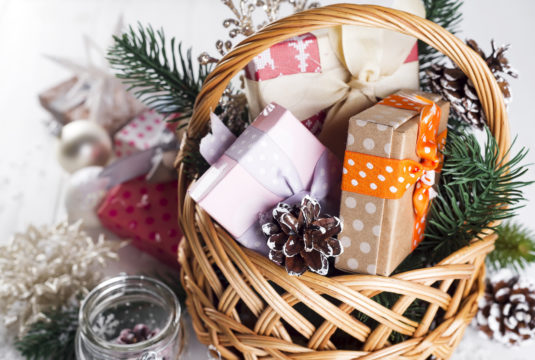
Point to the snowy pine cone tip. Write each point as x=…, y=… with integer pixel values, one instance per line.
x=507, y=310
x=300, y=238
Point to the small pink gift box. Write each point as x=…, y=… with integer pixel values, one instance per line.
x=141, y=133
x=276, y=159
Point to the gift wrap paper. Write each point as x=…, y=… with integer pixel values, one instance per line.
x=141, y=133
x=145, y=213
x=276, y=159
x=326, y=76
x=66, y=100
x=378, y=233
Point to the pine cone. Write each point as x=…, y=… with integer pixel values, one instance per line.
x=507, y=311
x=456, y=88
x=300, y=238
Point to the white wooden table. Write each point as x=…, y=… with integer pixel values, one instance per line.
x=31, y=181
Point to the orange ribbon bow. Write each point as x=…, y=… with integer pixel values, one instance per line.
x=390, y=178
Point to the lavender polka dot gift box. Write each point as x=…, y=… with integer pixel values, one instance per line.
x=379, y=231
x=276, y=159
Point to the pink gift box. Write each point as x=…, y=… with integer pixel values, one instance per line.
x=145, y=213
x=141, y=133
x=274, y=160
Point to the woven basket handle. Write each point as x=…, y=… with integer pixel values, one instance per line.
x=468, y=60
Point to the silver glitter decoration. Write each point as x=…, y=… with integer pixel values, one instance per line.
x=45, y=268
x=242, y=24
x=205, y=58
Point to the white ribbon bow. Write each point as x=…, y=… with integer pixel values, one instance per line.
x=358, y=66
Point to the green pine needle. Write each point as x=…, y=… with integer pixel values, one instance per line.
x=514, y=248
x=446, y=13
x=473, y=182
x=51, y=339
x=157, y=71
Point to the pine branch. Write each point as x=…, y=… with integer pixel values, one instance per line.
x=446, y=13
x=164, y=81
x=51, y=339
x=473, y=182
x=514, y=248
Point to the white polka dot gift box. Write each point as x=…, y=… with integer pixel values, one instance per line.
x=143, y=132
x=276, y=159
x=325, y=76
x=392, y=155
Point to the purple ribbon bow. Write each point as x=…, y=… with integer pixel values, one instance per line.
x=265, y=161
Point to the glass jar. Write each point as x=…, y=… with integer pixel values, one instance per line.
x=129, y=317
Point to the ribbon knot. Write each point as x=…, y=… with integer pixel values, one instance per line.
x=428, y=178
x=391, y=178
x=370, y=73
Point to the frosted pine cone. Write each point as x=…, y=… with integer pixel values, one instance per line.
x=456, y=88
x=301, y=239
x=507, y=310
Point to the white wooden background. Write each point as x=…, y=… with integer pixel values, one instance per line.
x=31, y=180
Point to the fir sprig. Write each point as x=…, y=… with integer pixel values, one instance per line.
x=514, y=247
x=53, y=338
x=158, y=72
x=446, y=13
x=476, y=190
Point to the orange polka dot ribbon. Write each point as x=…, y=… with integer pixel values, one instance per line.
x=391, y=178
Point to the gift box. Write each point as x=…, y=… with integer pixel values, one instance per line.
x=327, y=76
x=145, y=213
x=146, y=130
x=66, y=100
x=388, y=173
x=102, y=99
x=275, y=159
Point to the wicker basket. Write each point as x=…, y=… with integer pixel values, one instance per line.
x=231, y=297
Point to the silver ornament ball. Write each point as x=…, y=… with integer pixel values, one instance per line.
x=83, y=143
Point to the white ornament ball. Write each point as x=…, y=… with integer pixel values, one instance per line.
x=83, y=143
x=85, y=191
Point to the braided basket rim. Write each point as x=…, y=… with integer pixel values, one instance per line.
x=453, y=286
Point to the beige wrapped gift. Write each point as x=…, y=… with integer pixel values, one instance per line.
x=326, y=76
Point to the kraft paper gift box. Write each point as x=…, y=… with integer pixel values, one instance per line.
x=145, y=213
x=276, y=159
x=326, y=76
x=66, y=100
x=379, y=232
